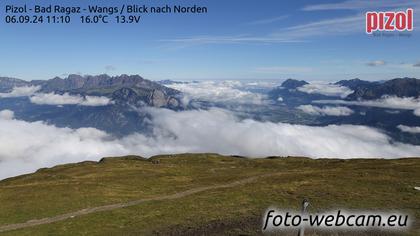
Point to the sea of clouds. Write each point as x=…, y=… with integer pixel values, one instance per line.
x=28, y=146
x=221, y=91
x=391, y=102
x=55, y=99
x=326, y=110
x=326, y=89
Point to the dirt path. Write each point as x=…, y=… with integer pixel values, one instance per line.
x=86, y=211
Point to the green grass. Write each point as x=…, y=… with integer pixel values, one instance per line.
x=328, y=184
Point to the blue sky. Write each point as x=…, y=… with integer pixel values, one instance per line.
x=236, y=39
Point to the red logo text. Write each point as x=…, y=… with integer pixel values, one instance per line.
x=389, y=21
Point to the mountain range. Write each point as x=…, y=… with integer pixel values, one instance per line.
x=400, y=87
x=132, y=89
x=362, y=90
x=291, y=96
x=130, y=94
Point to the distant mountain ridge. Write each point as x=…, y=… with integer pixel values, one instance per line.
x=366, y=90
x=77, y=82
x=131, y=93
x=356, y=83
x=128, y=93
x=400, y=87
x=7, y=83
x=141, y=90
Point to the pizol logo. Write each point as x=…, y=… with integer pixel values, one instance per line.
x=389, y=21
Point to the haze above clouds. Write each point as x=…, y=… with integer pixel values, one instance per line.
x=67, y=99
x=409, y=129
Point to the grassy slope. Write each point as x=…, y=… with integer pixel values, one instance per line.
x=328, y=184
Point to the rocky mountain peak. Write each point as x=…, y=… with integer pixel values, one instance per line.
x=293, y=84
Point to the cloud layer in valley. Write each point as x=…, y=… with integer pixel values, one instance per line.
x=326, y=89
x=326, y=110
x=221, y=91
x=376, y=63
x=23, y=91
x=67, y=99
x=55, y=99
x=27, y=146
x=392, y=102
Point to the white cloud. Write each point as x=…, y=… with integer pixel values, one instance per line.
x=95, y=101
x=259, y=84
x=294, y=34
x=27, y=146
x=55, y=99
x=220, y=91
x=393, y=102
x=409, y=129
x=392, y=112
x=23, y=91
x=326, y=89
x=376, y=63
x=326, y=110
x=7, y=115
x=67, y=99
